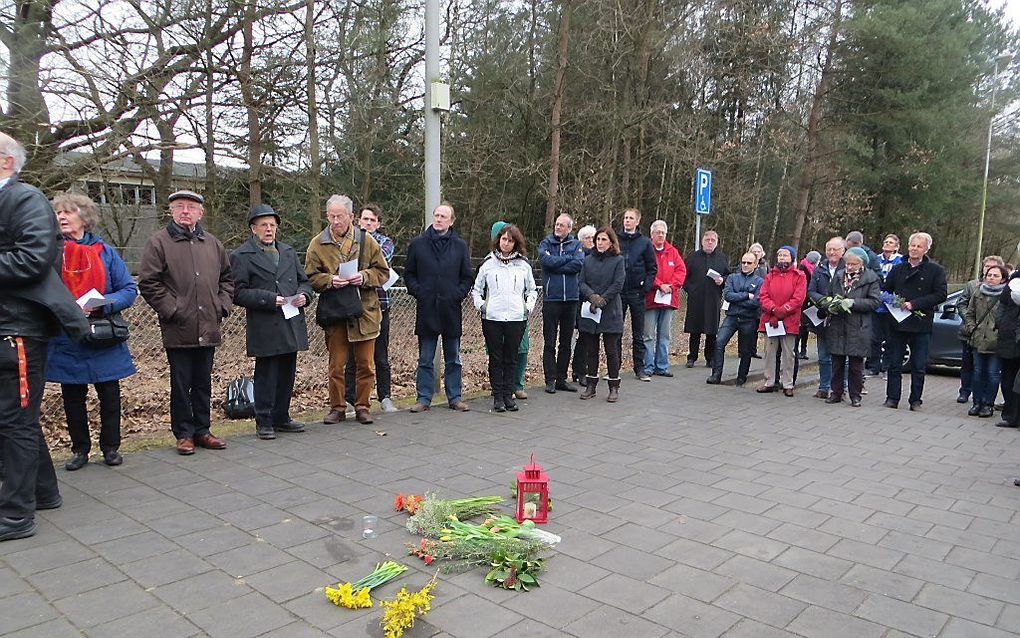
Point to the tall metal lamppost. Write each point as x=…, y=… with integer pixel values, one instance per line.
x=1001, y=59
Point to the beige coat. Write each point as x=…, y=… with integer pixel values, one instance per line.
x=322, y=261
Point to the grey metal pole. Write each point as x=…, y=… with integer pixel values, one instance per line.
x=1004, y=58
x=433, y=125
x=697, y=230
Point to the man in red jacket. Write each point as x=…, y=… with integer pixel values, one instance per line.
x=662, y=301
x=782, y=296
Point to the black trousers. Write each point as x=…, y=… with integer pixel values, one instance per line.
x=634, y=300
x=28, y=468
x=580, y=363
x=557, y=317
x=383, y=375
x=1011, y=406
x=855, y=384
x=503, y=339
x=880, y=327
x=612, y=343
x=190, y=390
x=274, y=385
x=78, y=416
x=695, y=346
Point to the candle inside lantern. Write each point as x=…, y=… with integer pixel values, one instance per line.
x=530, y=510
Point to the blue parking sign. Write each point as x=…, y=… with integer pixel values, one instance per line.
x=702, y=192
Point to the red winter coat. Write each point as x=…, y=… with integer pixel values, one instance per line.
x=672, y=271
x=782, y=296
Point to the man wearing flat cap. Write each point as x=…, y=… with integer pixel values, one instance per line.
x=270, y=283
x=186, y=278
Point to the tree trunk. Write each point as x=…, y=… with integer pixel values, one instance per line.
x=557, y=109
x=810, y=167
x=314, y=162
x=254, y=126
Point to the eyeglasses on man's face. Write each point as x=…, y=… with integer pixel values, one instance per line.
x=751, y=263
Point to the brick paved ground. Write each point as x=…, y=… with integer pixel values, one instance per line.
x=685, y=510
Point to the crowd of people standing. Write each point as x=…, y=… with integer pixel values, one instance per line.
x=66, y=289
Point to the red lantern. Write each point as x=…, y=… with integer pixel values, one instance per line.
x=532, y=493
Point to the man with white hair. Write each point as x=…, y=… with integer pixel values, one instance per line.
x=916, y=285
x=34, y=304
x=662, y=301
x=561, y=257
x=830, y=270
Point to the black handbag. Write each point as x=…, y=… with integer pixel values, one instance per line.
x=107, y=331
x=240, y=403
x=341, y=304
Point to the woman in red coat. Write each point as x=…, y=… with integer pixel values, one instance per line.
x=782, y=296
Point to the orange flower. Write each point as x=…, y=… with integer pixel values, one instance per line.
x=398, y=503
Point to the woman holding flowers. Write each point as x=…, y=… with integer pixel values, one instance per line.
x=505, y=294
x=851, y=306
x=600, y=283
x=981, y=334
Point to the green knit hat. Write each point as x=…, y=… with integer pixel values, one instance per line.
x=860, y=253
x=498, y=226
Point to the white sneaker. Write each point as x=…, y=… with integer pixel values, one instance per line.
x=387, y=405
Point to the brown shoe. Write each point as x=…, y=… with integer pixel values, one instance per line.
x=520, y=394
x=209, y=442
x=420, y=407
x=334, y=417
x=361, y=416
x=765, y=388
x=459, y=406
x=185, y=447
x=821, y=394
x=788, y=392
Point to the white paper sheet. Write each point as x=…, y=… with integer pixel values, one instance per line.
x=778, y=331
x=392, y=280
x=812, y=314
x=899, y=314
x=587, y=312
x=712, y=274
x=289, y=309
x=663, y=298
x=725, y=305
x=348, y=269
x=93, y=299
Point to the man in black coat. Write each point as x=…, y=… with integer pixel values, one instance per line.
x=271, y=284
x=921, y=284
x=640, y=264
x=704, y=296
x=438, y=275
x=34, y=304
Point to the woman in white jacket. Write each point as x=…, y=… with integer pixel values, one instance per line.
x=505, y=294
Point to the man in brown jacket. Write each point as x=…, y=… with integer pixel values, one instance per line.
x=338, y=244
x=186, y=278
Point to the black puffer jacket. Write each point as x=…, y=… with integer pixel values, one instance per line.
x=33, y=300
x=639, y=261
x=1006, y=319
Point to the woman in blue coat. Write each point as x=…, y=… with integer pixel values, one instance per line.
x=89, y=263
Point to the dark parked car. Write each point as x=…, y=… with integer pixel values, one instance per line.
x=945, y=348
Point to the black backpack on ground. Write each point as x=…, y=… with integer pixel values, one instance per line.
x=240, y=403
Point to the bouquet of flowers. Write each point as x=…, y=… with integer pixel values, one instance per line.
x=432, y=513
x=462, y=555
x=400, y=613
x=898, y=301
x=835, y=304
x=356, y=595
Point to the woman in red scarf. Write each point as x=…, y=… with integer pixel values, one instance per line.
x=90, y=265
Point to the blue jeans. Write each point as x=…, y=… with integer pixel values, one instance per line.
x=656, y=338
x=824, y=364
x=966, y=369
x=424, y=376
x=987, y=374
x=919, y=343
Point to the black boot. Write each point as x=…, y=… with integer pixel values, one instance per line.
x=509, y=402
x=974, y=409
x=497, y=403
x=614, y=391
x=589, y=390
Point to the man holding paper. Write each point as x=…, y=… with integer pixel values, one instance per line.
x=271, y=285
x=369, y=221
x=662, y=301
x=341, y=257
x=917, y=285
x=706, y=271
x=781, y=298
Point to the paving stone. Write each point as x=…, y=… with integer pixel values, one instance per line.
x=288, y=581
x=758, y=604
x=747, y=628
x=817, y=622
x=527, y=627
x=752, y=523
x=958, y=603
x=24, y=610
x=809, y=562
x=803, y=537
x=255, y=517
x=639, y=537
x=873, y=555
x=472, y=617
x=751, y=545
x=555, y=607
x=244, y=617
x=198, y=592
x=960, y=628
x=984, y=562
x=296, y=630
x=637, y=564
x=695, y=554
x=693, y=582
x=38, y=559
x=215, y=540
x=996, y=587
x=11, y=583
x=249, y=559
x=290, y=532
x=160, y=622
x=166, y=568
x=100, y=606
x=627, y=593
x=570, y=573
x=58, y=628
x=609, y=622
x=824, y=593
x=692, y=617
x=900, y=615
x=755, y=572
x=935, y=571
x=75, y=579
x=882, y=582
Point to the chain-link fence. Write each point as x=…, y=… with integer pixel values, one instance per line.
x=146, y=395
